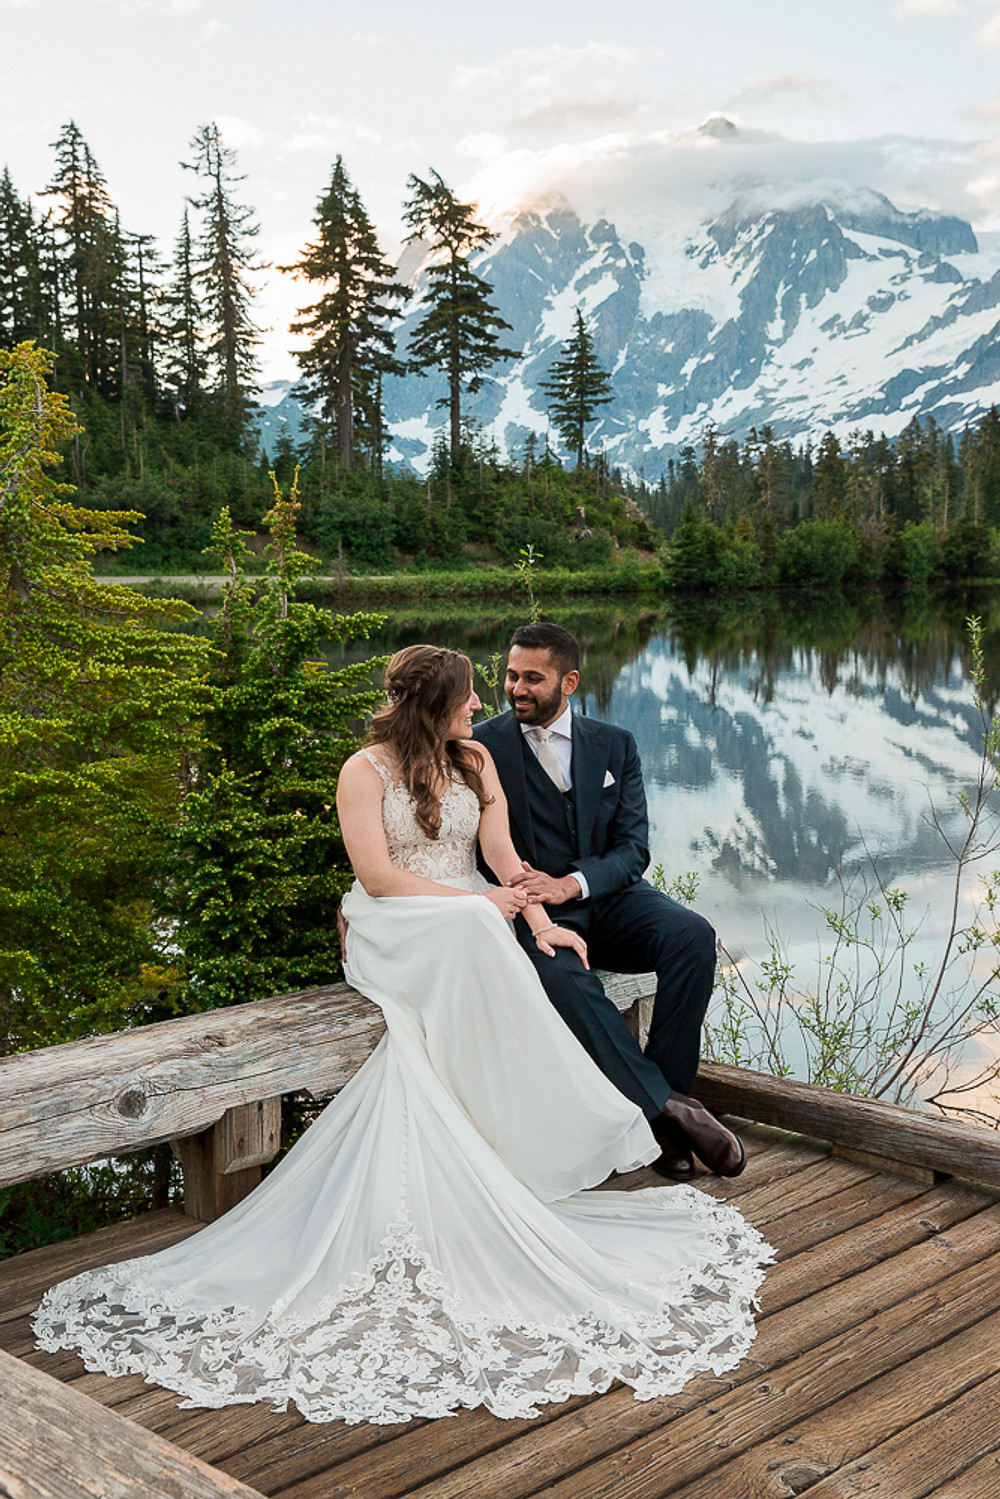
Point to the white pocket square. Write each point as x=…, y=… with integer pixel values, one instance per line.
x=609, y=780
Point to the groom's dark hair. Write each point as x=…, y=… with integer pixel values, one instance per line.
x=559, y=643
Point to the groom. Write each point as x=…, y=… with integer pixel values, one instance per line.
x=578, y=820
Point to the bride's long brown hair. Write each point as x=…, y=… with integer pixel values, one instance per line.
x=424, y=685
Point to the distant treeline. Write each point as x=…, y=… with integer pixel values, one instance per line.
x=911, y=509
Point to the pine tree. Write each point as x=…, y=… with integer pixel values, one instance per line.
x=710, y=480
x=352, y=348
x=459, y=332
x=984, y=469
x=25, y=296
x=92, y=259
x=98, y=705
x=225, y=261
x=576, y=386
x=184, y=363
x=829, y=494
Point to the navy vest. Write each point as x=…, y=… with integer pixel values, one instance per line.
x=553, y=817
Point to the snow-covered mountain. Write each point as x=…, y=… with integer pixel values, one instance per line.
x=836, y=310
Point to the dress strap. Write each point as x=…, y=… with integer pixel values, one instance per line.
x=384, y=772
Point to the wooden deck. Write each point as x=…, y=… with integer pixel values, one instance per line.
x=876, y=1369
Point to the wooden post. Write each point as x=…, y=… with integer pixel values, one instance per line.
x=222, y=1164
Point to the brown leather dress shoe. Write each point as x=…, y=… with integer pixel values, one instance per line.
x=675, y=1159
x=719, y=1149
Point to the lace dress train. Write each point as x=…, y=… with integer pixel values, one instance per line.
x=429, y=1244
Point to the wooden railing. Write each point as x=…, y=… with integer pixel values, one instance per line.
x=211, y=1084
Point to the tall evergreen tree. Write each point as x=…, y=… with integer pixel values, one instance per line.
x=26, y=291
x=829, y=495
x=577, y=387
x=92, y=259
x=352, y=346
x=184, y=361
x=984, y=469
x=225, y=262
x=459, y=332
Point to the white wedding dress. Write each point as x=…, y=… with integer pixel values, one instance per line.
x=429, y=1244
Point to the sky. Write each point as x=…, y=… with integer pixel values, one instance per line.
x=508, y=101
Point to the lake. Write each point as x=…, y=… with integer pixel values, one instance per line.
x=786, y=744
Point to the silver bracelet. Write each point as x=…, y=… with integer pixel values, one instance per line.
x=549, y=928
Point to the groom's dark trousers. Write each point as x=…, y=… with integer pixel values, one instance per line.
x=601, y=828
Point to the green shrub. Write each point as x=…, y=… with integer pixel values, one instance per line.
x=824, y=554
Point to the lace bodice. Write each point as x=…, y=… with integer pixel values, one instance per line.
x=451, y=856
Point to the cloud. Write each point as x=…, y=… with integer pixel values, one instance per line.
x=330, y=134
x=239, y=134
x=541, y=63
x=482, y=147
x=215, y=28
x=567, y=116
x=780, y=86
x=988, y=110
x=989, y=35
x=929, y=8
x=631, y=177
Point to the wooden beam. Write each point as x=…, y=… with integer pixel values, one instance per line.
x=886, y=1130
x=222, y=1164
x=58, y=1444
x=70, y=1104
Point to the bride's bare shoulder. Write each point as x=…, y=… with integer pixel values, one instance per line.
x=364, y=764
x=485, y=758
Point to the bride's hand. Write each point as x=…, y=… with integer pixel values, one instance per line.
x=510, y=902
x=549, y=938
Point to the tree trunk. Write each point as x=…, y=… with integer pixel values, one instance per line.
x=345, y=414
x=455, y=409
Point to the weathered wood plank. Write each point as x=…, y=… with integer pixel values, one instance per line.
x=57, y=1444
x=249, y=1135
x=886, y=1129
x=67, y=1105
x=819, y=1222
x=216, y=1436
x=320, y=1451
x=981, y=1481
x=824, y=1442
x=71, y=1104
x=595, y=1435
x=927, y=1454
x=769, y=1200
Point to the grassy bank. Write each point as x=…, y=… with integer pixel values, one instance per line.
x=630, y=576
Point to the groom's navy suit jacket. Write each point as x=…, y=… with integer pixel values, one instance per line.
x=611, y=822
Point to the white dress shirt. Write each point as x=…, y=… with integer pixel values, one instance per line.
x=562, y=743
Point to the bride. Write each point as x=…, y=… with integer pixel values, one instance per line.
x=430, y=1242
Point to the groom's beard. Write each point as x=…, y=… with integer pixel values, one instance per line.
x=532, y=710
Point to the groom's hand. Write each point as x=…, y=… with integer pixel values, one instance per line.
x=539, y=886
